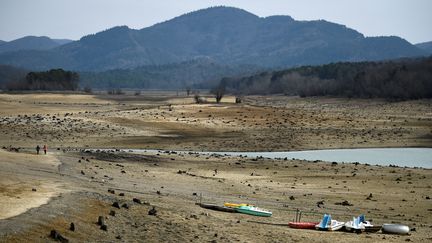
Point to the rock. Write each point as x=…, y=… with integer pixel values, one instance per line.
x=118, y=237
x=82, y=172
x=136, y=200
x=125, y=205
x=112, y=213
x=34, y=189
x=121, y=194
x=101, y=220
x=319, y=203
x=72, y=227
x=104, y=227
x=57, y=236
x=292, y=198
x=152, y=211
x=116, y=205
x=344, y=203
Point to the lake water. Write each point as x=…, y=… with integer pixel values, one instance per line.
x=410, y=157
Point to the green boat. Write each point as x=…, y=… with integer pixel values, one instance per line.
x=252, y=210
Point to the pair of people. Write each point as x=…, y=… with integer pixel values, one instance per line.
x=45, y=148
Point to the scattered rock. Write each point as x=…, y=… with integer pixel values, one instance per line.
x=101, y=220
x=34, y=189
x=125, y=205
x=104, y=227
x=320, y=203
x=369, y=197
x=344, y=203
x=111, y=191
x=152, y=211
x=57, y=236
x=116, y=205
x=292, y=198
x=121, y=194
x=112, y=213
x=136, y=200
x=72, y=227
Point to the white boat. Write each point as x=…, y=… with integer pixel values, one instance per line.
x=329, y=224
x=399, y=229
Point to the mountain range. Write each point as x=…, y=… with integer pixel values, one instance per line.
x=225, y=35
x=31, y=43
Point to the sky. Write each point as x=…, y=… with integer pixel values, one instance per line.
x=72, y=19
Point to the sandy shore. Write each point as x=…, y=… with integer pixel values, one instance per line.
x=80, y=187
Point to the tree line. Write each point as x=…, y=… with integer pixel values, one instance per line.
x=54, y=79
x=399, y=79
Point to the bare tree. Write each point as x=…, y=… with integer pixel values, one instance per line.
x=219, y=93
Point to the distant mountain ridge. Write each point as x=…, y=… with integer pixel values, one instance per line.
x=31, y=43
x=224, y=34
x=426, y=46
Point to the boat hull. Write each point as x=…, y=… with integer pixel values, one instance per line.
x=303, y=225
x=216, y=207
x=395, y=229
x=253, y=211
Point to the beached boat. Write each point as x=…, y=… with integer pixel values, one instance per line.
x=399, y=229
x=235, y=205
x=360, y=224
x=356, y=225
x=252, y=210
x=303, y=225
x=329, y=224
x=216, y=207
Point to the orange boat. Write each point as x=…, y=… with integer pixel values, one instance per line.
x=303, y=225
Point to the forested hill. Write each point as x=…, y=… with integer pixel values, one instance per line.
x=198, y=73
x=227, y=35
x=401, y=79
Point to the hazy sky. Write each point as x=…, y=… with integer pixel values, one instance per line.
x=409, y=19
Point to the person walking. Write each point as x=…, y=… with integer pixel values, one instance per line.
x=37, y=149
x=45, y=148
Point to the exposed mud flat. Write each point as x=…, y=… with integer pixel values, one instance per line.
x=76, y=187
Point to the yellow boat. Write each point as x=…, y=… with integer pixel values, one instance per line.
x=236, y=205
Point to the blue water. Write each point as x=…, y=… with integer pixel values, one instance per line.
x=409, y=157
